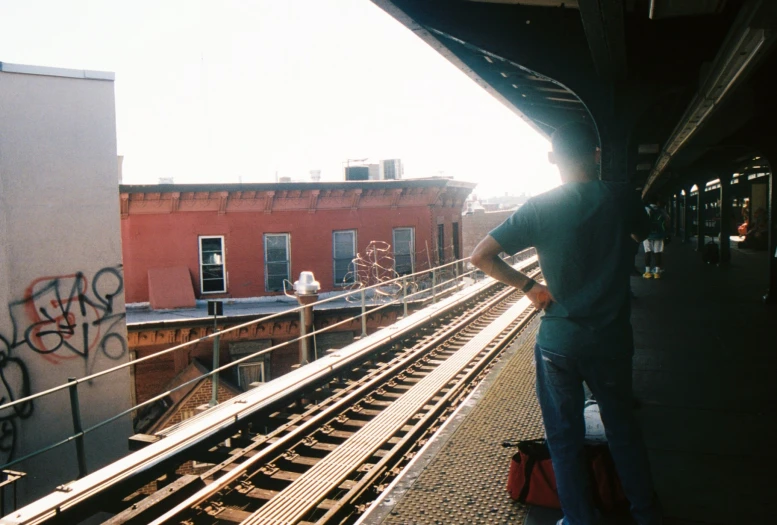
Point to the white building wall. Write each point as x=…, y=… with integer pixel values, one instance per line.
x=61, y=280
x=373, y=171
x=391, y=166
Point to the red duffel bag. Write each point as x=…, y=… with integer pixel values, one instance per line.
x=532, y=480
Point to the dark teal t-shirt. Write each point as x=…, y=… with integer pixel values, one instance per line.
x=582, y=231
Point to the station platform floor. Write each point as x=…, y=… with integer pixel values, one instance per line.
x=705, y=378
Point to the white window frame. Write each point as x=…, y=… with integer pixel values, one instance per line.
x=223, y=263
x=412, y=246
x=251, y=364
x=288, y=259
x=334, y=259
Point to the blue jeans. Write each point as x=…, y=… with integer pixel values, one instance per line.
x=560, y=392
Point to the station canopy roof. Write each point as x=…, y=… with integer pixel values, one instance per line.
x=678, y=84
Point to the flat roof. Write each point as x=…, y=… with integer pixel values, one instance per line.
x=270, y=186
x=88, y=74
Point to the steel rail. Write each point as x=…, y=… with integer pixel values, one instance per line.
x=216, y=420
x=220, y=485
x=251, y=356
x=358, y=390
x=293, y=503
x=233, y=475
x=434, y=414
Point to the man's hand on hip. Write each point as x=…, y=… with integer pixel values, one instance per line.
x=540, y=297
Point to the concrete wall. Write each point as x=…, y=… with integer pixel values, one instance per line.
x=61, y=279
x=478, y=224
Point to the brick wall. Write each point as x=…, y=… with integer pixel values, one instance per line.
x=151, y=377
x=477, y=225
x=201, y=396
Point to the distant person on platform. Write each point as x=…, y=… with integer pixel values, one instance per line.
x=581, y=231
x=757, y=234
x=654, y=244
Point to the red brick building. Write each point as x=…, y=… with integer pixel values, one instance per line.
x=182, y=242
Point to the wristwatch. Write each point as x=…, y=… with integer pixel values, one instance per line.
x=529, y=285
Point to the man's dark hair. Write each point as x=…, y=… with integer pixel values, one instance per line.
x=575, y=141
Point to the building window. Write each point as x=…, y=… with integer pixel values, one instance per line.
x=456, y=249
x=212, y=274
x=441, y=243
x=255, y=369
x=276, y=260
x=404, y=246
x=343, y=253
x=248, y=373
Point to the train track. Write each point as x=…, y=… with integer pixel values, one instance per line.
x=324, y=456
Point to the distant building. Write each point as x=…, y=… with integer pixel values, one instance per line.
x=242, y=241
x=374, y=171
x=237, y=242
x=357, y=173
x=315, y=175
x=474, y=207
x=166, y=180
x=505, y=202
x=478, y=224
x=391, y=169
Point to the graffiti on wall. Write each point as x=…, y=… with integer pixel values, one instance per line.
x=61, y=318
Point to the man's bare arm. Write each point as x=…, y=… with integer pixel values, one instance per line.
x=486, y=257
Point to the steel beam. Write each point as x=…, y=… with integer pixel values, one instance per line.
x=677, y=215
x=700, y=217
x=725, y=219
x=687, y=215
x=771, y=293
x=604, y=31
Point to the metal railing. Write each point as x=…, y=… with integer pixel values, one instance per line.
x=450, y=279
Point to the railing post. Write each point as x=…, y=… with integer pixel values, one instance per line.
x=75, y=412
x=214, y=379
x=404, y=296
x=303, y=342
x=456, y=273
x=434, y=284
x=215, y=308
x=364, y=314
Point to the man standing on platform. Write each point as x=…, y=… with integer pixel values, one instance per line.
x=654, y=244
x=581, y=231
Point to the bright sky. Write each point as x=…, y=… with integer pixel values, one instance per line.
x=223, y=91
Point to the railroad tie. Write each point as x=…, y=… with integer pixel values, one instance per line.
x=300, y=497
